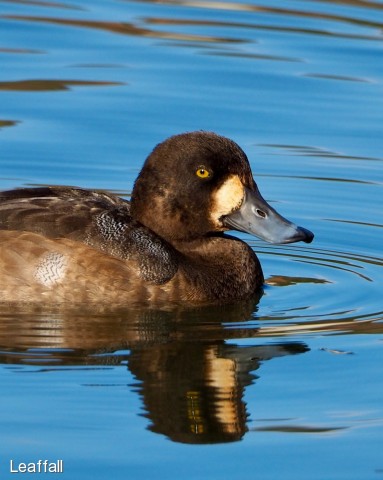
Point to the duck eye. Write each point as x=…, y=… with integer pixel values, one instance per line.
x=201, y=172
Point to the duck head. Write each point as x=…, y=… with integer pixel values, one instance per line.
x=198, y=183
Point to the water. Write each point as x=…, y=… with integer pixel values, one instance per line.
x=288, y=386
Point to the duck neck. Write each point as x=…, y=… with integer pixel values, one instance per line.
x=224, y=267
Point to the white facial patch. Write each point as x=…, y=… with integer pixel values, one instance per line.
x=228, y=198
x=51, y=269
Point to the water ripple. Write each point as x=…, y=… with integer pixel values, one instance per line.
x=126, y=29
x=247, y=7
x=313, y=151
x=41, y=3
x=259, y=26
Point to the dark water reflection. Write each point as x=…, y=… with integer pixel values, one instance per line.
x=7, y=123
x=191, y=366
x=50, y=85
x=191, y=374
x=193, y=392
x=127, y=29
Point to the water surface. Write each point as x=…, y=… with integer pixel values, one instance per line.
x=285, y=386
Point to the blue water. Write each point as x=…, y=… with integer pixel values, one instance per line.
x=288, y=387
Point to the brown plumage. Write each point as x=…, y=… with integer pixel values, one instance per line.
x=70, y=245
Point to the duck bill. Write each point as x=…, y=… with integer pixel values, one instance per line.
x=257, y=217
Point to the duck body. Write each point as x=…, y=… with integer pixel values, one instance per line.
x=68, y=245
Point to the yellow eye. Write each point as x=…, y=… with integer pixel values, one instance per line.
x=201, y=172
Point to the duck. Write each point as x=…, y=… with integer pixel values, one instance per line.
x=168, y=243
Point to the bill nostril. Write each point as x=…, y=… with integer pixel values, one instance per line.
x=260, y=213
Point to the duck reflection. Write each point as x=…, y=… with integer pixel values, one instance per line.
x=191, y=365
x=193, y=391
